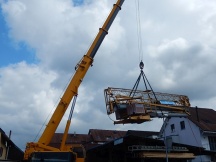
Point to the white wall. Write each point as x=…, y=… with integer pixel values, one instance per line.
x=190, y=135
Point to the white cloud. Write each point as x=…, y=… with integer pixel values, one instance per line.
x=26, y=98
x=178, y=46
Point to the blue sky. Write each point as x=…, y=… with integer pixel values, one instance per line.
x=10, y=51
x=77, y=2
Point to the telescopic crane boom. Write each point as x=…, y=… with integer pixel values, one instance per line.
x=72, y=89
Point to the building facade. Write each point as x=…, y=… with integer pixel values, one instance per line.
x=8, y=150
x=198, y=129
x=3, y=145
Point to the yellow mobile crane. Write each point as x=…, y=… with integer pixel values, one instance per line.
x=41, y=151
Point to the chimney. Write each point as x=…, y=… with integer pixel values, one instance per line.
x=197, y=114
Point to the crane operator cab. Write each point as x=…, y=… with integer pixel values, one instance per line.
x=71, y=153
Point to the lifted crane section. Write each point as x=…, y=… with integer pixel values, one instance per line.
x=143, y=105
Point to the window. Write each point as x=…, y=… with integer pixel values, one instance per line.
x=1, y=151
x=182, y=125
x=108, y=138
x=212, y=143
x=172, y=128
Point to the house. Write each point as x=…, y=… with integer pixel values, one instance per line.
x=8, y=150
x=138, y=146
x=198, y=129
x=113, y=145
x=94, y=138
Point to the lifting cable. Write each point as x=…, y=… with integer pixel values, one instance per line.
x=139, y=31
x=140, y=50
x=141, y=64
x=146, y=83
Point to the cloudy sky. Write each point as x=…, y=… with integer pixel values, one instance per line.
x=42, y=41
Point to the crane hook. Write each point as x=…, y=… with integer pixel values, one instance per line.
x=141, y=65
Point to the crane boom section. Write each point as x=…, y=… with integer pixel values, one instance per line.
x=72, y=89
x=104, y=30
x=82, y=68
x=62, y=106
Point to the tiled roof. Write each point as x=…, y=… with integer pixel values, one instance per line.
x=99, y=135
x=94, y=138
x=71, y=138
x=204, y=118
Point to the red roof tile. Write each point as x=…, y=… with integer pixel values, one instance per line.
x=204, y=118
x=72, y=138
x=99, y=135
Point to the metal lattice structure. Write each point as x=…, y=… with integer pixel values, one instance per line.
x=139, y=106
